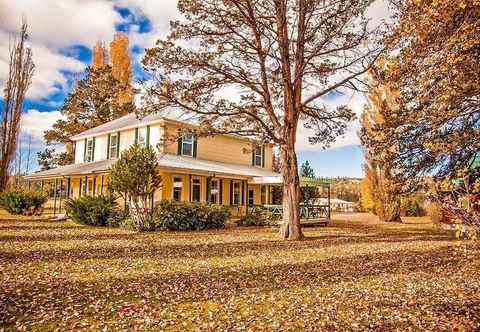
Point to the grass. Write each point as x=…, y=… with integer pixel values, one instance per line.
x=352, y=275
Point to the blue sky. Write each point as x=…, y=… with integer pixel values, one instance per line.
x=62, y=35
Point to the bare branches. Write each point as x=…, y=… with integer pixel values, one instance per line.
x=18, y=81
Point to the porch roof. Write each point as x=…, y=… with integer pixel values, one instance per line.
x=168, y=161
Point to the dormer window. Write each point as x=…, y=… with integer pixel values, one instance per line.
x=257, y=156
x=187, y=145
x=89, y=149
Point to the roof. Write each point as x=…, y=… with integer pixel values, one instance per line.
x=126, y=121
x=131, y=121
x=74, y=169
x=168, y=161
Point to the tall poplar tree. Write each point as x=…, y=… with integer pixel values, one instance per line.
x=19, y=79
x=260, y=69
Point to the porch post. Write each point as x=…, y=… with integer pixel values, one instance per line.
x=189, y=187
x=245, y=195
x=55, y=197
x=329, y=213
x=101, y=185
x=69, y=186
x=60, y=197
x=86, y=186
x=94, y=185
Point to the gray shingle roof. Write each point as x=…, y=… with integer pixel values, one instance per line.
x=114, y=125
x=165, y=161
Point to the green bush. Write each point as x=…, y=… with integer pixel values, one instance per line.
x=412, y=206
x=184, y=216
x=23, y=202
x=258, y=217
x=97, y=211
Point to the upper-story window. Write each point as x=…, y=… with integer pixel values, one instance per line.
x=113, y=146
x=187, y=145
x=89, y=150
x=258, y=156
x=142, y=136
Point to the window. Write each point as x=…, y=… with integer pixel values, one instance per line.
x=263, y=195
x=196, y=190
x=237, y=194
x=187, y=145
x=89, y=150
x=90, y=187
x=113, y=146
x=177, y=188
x=142, y=136
x=215, y=191
x=251, y=201
x=258, y=156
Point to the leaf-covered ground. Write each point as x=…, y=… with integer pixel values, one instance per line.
x=352, y=275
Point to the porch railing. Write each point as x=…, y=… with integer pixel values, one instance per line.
x=306, y=211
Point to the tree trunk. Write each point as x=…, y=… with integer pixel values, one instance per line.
x=290, y=228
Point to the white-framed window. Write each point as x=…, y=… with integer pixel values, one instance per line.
x=114, y=145
x=215, y=191
x=196, y=190
x=177, y=188
x=258, y=155
x=187, y=145
x=89, y=151
x=237, y=193
x=142, y=137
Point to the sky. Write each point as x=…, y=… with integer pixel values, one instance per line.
x=62, y=33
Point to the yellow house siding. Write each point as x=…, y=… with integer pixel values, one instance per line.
x=220, y=148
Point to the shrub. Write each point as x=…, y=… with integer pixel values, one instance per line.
x=412, y=206
x=23, y=202
x=97, y=211
x=184, y=216
x=135, y=175
x=138, y=224
x=258, y=217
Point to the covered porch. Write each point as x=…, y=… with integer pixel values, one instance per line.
x=317, y=212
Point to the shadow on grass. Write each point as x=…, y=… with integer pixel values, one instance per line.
x=31, y=296
x=146, y=246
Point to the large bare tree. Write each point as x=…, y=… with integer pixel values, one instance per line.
x=18, y=81
x=261, y=69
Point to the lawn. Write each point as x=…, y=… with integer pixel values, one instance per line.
x=352, y=275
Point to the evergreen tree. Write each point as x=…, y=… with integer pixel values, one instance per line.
x=307, y=171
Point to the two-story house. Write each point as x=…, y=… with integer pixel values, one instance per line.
x=224, y=169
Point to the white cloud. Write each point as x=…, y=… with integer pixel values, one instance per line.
x=60, y=23
x=49, y=64
x=34, y=123
x=159, y=13
x=53, y=27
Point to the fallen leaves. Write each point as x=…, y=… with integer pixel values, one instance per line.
x=350, y=276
